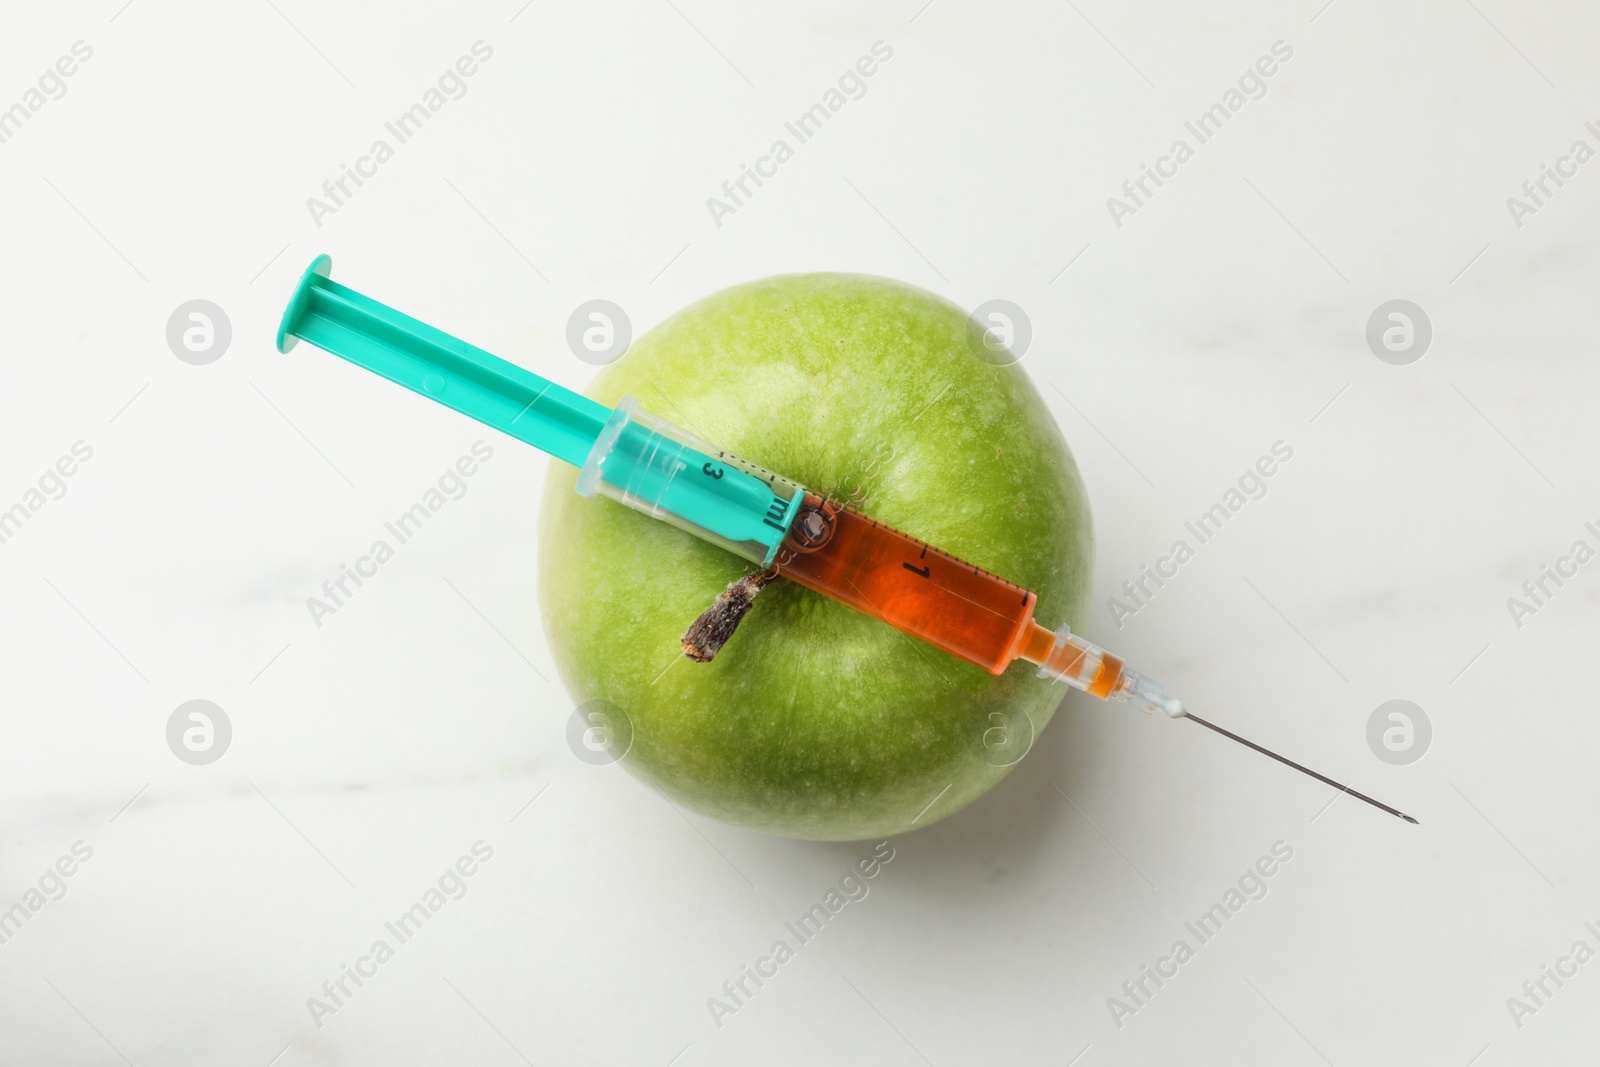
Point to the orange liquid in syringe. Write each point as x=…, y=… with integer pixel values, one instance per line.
x=912, y=586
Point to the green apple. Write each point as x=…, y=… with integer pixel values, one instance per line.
x=816, y=721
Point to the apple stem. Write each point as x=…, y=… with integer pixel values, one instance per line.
x=706, y=635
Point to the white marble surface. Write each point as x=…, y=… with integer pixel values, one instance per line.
x=1225, y=315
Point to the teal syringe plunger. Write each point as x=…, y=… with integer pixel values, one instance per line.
x=624, y=453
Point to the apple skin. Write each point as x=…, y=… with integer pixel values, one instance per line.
x=816, y=721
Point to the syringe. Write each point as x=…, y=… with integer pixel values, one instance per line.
x=668, y=473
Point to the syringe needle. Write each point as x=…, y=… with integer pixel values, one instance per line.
x=1065, y=657
x=1307, y=770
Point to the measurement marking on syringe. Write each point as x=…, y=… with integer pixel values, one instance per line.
x=939, y=551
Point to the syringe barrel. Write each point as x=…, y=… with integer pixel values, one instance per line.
x=670, y=474
x=916, y=588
